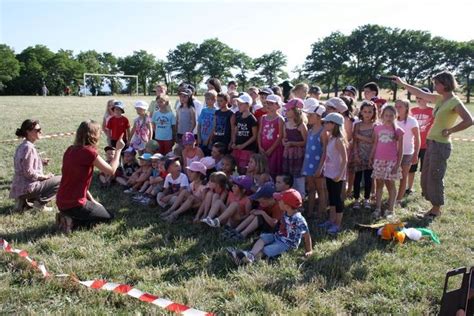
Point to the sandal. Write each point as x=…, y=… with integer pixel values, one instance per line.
x=428, y=215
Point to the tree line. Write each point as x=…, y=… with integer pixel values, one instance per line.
x=334, y=61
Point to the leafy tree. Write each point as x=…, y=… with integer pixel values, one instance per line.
x=328, y=60
x=62, y=70
x=215, y=59
x=270, y=67
x=183, y=61
x=466, y=66
x=367, y=49
x=33, y=71
x=9, y=65
x=245, y=66
x=141, y=64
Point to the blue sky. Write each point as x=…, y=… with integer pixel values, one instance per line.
x=255, y=27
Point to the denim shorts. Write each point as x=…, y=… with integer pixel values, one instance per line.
x=273, y=246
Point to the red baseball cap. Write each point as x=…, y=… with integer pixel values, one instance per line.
x=290, y=197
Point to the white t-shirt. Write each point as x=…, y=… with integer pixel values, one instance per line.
x=408, y=137
x=176, y=184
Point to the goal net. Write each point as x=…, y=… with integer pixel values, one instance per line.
x=84, y=91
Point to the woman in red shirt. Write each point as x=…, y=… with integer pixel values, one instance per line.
x=76, y=205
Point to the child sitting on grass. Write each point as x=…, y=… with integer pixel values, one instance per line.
x=257, y=169
x=265, y=216
x=175, y=182
x=128, y=167
x=189, y=200
x=229, y=166
x=217, y=152
x=155, y=182
x=237, y=207
x=283, y=182
x=104, y=179
x=217, y=190
x=141, y=175
x=292, y=228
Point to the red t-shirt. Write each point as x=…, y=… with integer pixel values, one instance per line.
x=259, y=113
x=425, y=120
x=78, y=166
x=274, y=211
x=118, y=126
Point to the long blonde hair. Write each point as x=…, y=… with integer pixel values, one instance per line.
x=87, y=134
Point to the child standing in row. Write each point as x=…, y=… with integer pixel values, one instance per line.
x=271, y=135
x=206, y=122
x=362, y=148
x=142, y=128
x=164, y=125
x=224, y=122
x=411, y=143
x=423, y=113
x=118, y=124
x=294, y=142
x=244, y=135
x=314, y=157
x=386, y=158
x=335, y=169
x=109, y=112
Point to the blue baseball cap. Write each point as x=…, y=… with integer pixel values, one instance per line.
x=146, y=156
x=266, y=191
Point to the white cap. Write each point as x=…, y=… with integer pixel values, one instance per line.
x=337, y=103
x=119, y=104
x=311, y=105
x=274, y=98
x=197, y=166
x=245, y=98
x=141, y=105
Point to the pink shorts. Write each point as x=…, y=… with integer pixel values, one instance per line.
x=242, y=157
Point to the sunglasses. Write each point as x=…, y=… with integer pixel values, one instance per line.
x=38, y=130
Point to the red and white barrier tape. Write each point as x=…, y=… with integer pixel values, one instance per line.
x=110, y=286
x=47, y=136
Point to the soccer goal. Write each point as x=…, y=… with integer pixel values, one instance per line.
x=88, y=74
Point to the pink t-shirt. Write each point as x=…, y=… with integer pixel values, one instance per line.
x=425, y=119
x=386, y=147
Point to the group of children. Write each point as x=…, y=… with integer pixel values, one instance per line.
x=246, y=161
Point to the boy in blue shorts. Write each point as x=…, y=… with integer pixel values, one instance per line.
x=292, y=228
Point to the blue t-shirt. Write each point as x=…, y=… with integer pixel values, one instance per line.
x=164, y=125
x=206, y=122
x=313, y=152
x=292, y=228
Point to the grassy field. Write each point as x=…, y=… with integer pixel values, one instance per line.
x=353, y=273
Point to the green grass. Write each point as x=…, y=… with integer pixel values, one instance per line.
x=356, y=272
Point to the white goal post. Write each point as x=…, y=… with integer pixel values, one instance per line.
x=86, y=74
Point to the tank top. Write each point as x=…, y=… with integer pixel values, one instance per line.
x=332, y=164
x=270, y=129
x=185, y=118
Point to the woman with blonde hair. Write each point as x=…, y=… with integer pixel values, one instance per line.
x=76, y=205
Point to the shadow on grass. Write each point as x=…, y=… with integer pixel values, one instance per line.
x=31, y=234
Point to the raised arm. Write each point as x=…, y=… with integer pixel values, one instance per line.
x=104, y=167
x=431, y=97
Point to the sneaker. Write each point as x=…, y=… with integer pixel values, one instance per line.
x=356, y=205
x=238, y=237
x=377, y=214
x=325, y=225
x=334, y=229
x=205, y=220
x=232, y=252
x=145, y=200
x=408, y=192
x=129, y=191
x=42, y=207
x=213, y=222
x=367, y=204
x=389, y=214
x=248, y=257
x=137, y=197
